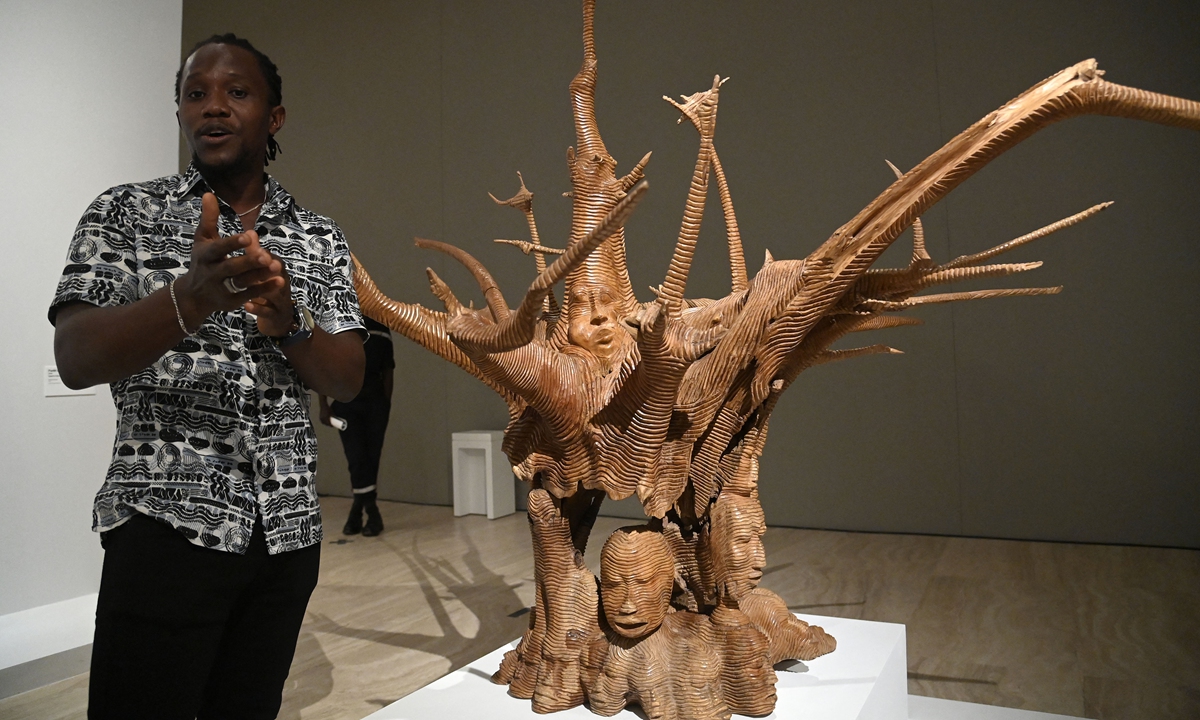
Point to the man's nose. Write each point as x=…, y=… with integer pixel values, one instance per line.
x=215, y=106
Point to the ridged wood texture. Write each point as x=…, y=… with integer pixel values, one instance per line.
x=670, y=399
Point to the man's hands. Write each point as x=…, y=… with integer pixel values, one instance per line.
x=202, y=291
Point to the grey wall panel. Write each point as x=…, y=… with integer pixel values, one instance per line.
x=1067, y=417
x=1078, y=411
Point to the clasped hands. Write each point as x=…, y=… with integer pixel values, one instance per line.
x=206, y=287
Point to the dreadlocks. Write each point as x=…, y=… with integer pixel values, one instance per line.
x=269, y=71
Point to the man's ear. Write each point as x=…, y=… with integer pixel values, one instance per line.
x=278, y=117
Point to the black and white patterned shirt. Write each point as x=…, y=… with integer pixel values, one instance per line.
x=216, y=431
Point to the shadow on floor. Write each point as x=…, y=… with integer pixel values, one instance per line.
x=484, y=593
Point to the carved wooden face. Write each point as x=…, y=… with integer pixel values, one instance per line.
x=636, y=579
x=593, y=320
x=737, y=549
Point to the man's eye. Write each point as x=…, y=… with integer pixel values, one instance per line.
x=238, y=93
x=194, y=94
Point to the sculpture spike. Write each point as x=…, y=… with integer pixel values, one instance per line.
x=919, y=255
x=1028, y=238
x=829, y=356
x=884, y=306
x=443, y=292
x=883, y=322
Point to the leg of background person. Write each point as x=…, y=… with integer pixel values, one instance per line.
x=259, y=641
x=355, y=443
x=379, y=412
x=163, y=603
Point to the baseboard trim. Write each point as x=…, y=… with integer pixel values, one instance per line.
x=44, y=671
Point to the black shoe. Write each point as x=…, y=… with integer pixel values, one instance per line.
x=374, y=524
x=354, y=524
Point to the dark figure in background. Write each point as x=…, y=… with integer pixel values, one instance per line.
x=211, y=303
x=366, y=419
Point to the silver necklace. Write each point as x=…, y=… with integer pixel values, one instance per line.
x=244, y=214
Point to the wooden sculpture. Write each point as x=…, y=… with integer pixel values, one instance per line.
x=671, y=398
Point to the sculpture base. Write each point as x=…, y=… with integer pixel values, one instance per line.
x=864, y=679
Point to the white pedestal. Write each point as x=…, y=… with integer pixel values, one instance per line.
x=864, y=679
x=483, y=479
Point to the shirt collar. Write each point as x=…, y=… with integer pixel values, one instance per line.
x=278, y=201
x=188, y=182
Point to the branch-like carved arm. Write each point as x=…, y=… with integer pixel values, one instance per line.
x=1077, y=90
x=427, y=328
x=854, y=247
x=900, y=283
x=487, y=285
x=733, y=235
x=472, y=333
x=701, y=109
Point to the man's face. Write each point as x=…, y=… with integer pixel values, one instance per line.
x=636, y=579
x=225, y=111
x=593, y=320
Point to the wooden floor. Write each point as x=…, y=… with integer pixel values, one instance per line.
x=1084, y=630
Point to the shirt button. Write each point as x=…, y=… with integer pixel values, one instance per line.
x=264, y=496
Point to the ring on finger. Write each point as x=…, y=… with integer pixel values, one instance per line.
x=233, y=287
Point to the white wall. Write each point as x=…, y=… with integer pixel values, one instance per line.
x=86, y=89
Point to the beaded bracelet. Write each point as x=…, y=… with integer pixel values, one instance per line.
x=178, y=315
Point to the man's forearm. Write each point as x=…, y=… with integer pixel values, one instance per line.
x=96, y=345
x=330, y=364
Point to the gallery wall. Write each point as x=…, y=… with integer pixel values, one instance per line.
x=86, y=91
x=1070, y=417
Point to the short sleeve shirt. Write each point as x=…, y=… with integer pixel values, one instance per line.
x=216, y=432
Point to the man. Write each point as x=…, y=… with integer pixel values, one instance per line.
x=363, y=428
x=210, y=302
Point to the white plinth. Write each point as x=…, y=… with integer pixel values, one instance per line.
x=864, y=679
x=483, y=479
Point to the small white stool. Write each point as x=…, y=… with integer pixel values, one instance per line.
x=483, y=479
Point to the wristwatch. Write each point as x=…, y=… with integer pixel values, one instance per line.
x=302, y=327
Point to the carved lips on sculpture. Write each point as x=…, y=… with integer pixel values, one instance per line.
x=670, y=399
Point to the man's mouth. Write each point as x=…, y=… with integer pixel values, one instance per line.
x=215, y=132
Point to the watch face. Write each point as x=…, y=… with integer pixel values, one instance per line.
x=304, y=327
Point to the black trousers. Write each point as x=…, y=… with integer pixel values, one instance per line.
x=184, y=632
x=366, y=426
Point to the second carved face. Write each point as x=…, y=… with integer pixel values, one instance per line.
x=737, y=549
